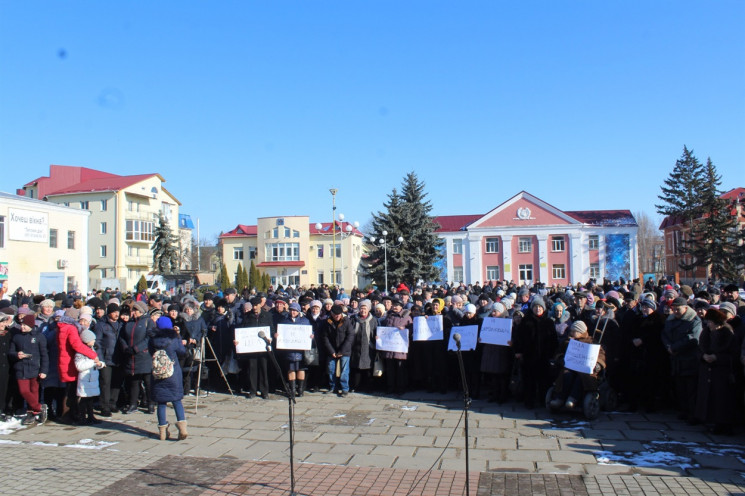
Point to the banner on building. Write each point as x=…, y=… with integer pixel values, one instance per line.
x=28, y=225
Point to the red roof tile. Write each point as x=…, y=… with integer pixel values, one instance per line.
x=454, y=223
x=111, y=183
x=240, y=230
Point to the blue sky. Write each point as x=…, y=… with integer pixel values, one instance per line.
x=252, y=109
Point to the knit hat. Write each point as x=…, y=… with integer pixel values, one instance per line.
x=328, y=301
x=164, y=323
x=47, y=303
x=728, y=307
x=649, y=303
x=366, y=303
x=456, y=299
x=87, y=336
x=470, y=308
x=679, y=302
x=86, y=314
x=72, y=312
x=316, y=303
x=686, y=290
x=538, y=301
x=29, y=320
x=578, y=326
x=296, y=307
x=138, y=305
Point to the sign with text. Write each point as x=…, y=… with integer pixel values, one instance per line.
x=392, y=339
x=496, y=330
x=249, y=340
x=428, y=328
x=294, y=337
x=581, y=357
x=27, y=225
x=468, y=337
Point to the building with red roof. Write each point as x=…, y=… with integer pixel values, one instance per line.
x=528, y=240
x=124, y=213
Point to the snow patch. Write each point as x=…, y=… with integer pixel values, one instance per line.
x=409, y=408
x=90, y=444
x=644, y=459
x=10, y=425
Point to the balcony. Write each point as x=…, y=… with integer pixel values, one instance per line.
x=138, y=261
x=146, y=216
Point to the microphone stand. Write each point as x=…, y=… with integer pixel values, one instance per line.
x=466, y=404
x=291, y=414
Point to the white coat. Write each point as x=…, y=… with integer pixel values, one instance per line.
x=87, y=376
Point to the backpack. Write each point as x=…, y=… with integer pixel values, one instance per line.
x=162, y=365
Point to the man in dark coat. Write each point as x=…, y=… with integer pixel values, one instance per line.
x=136, y=361
x=254, y=365
x=680, y=338
x=337, y=336
x=110, y=377
x=535, y=344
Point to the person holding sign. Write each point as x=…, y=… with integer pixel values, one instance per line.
x=395, y=362
x=254, y=365
x=435, y=352
x=472, y=357
x=295, y=366
x=337, y=336
x=496, y=361
x=571, y=385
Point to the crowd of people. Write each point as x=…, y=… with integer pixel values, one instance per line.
x=72, y=358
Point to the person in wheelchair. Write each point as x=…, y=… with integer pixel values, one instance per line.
x=570, y=385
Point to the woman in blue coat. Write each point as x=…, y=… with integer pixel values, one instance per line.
x=170, y=389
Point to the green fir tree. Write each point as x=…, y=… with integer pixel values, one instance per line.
x=165, y=248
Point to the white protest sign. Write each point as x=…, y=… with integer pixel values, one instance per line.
x=581, y=357
x=294, y=337
x=249, y=340
x=496, y=330
x=392, y=339
x=428, y=328
x=468, y=336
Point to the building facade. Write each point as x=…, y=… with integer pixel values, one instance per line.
x=43, y=246
x=526, y=240
x=291, y=250
x=675, y=232
x=123, y=214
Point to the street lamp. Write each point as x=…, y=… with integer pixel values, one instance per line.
x=344, y=232
x=384, y=243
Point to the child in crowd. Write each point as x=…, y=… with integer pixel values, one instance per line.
x=88, y=388
x=29, y=349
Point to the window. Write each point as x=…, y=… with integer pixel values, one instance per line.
x=319, y=251
x=103, y=273
x=320, y=277
x=288, y=231
x=103, y=251
x=275, y=232
x=458, y=249
x=67, y=204
x=282, y=252
x=492, y=245
x=70, y=240
x=337, y=277
x=2, y=233
x=524, y=245
x=594, y=240
x=557, y=243
x=140, y=230
x=525, y=272
x=52, y=238
x=252, y=253
x=457, y=274
x=559, y=271
x=165, y=208
x=337, y=251
x=295, y=234
x=595, y=271
x=103, y=228
x=492, y=272
x=104, y=205
x=238, y=253
x=84, y=205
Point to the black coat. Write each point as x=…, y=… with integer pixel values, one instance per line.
x=337, y=337
x=716, y=399
x=32, y=343
x=681, y=336
x=107, y=335
x=133, y=344
x=262, y=319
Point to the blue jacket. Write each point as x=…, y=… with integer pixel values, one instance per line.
x=171, y=388
x=32, y=343
x=133, y=343
x=107, y=334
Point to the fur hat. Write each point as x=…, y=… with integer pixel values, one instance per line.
x=337, y=309
x=139, y=305
x=716, y=316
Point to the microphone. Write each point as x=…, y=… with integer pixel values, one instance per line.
x=262, y=335
x=456, y=338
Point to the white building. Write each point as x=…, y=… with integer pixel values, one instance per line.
x=43, y=245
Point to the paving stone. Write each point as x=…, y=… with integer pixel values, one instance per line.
x=537, y=444
x=497, y=443
x=719, y=462
x=527, y=455
x=617, y=445
x=571, y=457
x=395, y=451
x=511, y=466
x=608, y=469
x=560, y=468
x=603, y=434
x=423, y=441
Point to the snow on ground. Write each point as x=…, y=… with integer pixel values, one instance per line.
x=10, y=425
x=670, y=454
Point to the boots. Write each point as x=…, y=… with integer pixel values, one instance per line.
x=300, y=388
x=163, y=431
x=181, y=426
x=292, y=388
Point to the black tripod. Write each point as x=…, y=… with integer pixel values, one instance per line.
x=291, y=412
x=466, y=403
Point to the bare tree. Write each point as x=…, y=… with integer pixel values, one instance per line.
x=651, y=244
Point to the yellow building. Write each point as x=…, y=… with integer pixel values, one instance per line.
x=42, y=245
x=123, y=215
x=291, y=250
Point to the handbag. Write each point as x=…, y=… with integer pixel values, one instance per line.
x=310, y=357
x=378, y=366
x=230, y=365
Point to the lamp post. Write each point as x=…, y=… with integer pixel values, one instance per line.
x=344, y=232
x=384, y=243
x=333, y=231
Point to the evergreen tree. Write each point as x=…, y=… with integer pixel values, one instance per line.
x=240, y=283
x=253, y=276
x=141, y=284
x=266, y=281
x=165, y=248
x=406, y=216
x=225, y=278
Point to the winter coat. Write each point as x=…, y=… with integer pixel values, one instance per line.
x=646, y=358
x=336, y=337
x=32, y=343
x=107, y=334
x=170, y=388
x=51, y=332
x=221, y=335
x=196, y=326
x=133, y=340
x=589, y=381
x=535, y=338
x=294, y=355
x=4, y=345
x=87, y=377
x=69, y=344
x=398, y=320
x=681, y=335
x=262, y=319
x=363, y=347
x=716, y=401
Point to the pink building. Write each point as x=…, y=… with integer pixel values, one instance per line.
x=525, y=239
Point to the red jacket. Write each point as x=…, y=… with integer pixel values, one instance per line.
x=69, y=344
